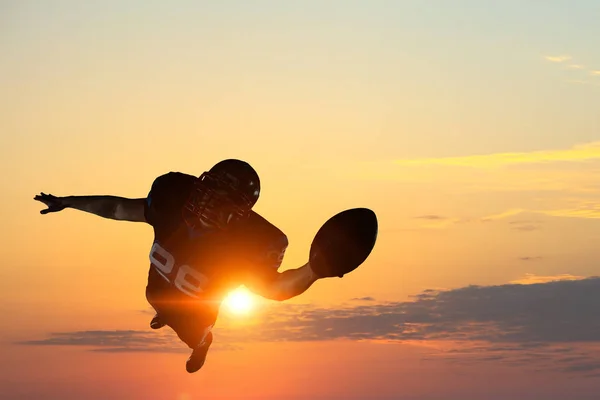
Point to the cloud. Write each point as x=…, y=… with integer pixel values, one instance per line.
x=558, y=59
x=523, y=225
x=591, y=72
x=437, y=221
x=432, y=217
x=434, y=221
x=115, y=341
x=530, y=279
x=578, y=359
x=366, y=298
x=119, y=341
x=552, y=324
x=577, y=153
x=529, y=258
x=583, y=210
x=573, y=169
x=502, y=215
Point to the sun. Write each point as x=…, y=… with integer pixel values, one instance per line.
x=239, y=301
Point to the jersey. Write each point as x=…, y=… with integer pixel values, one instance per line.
x=204, y=264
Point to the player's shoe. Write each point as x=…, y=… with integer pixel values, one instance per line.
x=196, y=360
x=156, y=322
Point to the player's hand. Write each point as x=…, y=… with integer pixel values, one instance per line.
x=54, y=203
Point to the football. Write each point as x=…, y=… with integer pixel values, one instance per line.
x=344, y=242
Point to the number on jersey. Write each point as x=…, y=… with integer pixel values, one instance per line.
x=184, y=277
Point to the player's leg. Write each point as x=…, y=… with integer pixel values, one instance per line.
x=191, y=320
x=157, y=322
x=193, y=325
x=156, y=294
x=198, y=356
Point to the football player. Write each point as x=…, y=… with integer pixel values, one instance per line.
x=207, y=241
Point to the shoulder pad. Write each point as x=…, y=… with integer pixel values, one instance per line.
x=265, y=229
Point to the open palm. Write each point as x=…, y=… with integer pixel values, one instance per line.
x=54, y=203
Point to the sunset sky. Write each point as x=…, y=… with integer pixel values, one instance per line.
x=472, y=129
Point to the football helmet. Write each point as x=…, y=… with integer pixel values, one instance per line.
x=222, y=195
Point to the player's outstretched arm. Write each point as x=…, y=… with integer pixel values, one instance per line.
x=284, y=285
x=111, y=207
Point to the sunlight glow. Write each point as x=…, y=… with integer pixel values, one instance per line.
x=239, y=301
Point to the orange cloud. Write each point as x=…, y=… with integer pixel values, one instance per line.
x=530, y=279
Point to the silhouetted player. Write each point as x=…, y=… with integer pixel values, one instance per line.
x=207, y=241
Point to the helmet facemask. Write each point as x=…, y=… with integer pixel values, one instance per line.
x=215, y=202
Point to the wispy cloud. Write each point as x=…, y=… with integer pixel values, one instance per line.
x=432, y=217
x=502, y=215
x=585, y=209
x=578, y=153
x=526, y=225
x=115, y=341
x=554, y=323
x=121, y=341
x=530, y=279
x=434, y=221
x=558, y=59
x=366, y=298
x=527, y=228
x=573, y=170
x=530, y=258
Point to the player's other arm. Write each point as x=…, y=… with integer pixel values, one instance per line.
x=287, y=284
x=111, y=207
x=266, y=281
